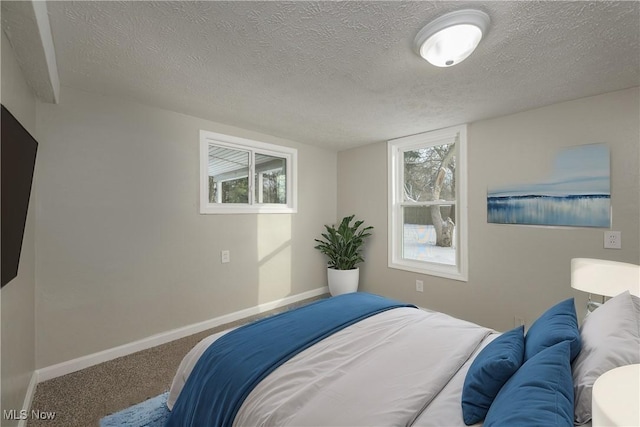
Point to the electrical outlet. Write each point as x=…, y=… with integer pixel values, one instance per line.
x=225, y=257
x=612, y=240
x=419, y=286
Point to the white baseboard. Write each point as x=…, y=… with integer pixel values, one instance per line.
x=28, y=398
x=83, y=362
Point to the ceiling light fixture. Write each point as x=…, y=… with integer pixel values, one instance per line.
x=451, y=38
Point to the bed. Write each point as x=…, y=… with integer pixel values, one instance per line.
x=400, y=365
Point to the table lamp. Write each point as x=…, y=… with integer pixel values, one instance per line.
x=603, y=277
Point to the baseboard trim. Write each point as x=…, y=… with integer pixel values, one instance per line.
x=28, y=398
x=83, y=362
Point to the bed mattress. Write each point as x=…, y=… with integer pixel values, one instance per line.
x=404, y=366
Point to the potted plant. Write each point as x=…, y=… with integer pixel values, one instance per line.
x=343, y=248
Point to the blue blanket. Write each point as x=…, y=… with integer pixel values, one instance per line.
x=235, y=363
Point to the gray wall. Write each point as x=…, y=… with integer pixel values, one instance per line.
x=123, y=252
x=17, y=307
x=513, y=270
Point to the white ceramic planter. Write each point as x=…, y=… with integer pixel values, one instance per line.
x=343, y=281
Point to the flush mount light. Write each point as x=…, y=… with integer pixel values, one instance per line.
x=451, y=38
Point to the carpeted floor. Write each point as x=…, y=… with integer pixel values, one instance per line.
x=82, y=398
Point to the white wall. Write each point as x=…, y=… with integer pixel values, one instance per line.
x=17, y=312
x=123, y=252
x=513, y=270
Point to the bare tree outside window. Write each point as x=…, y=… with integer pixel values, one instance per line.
x=429, y=176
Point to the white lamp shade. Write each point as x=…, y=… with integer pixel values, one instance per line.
x=603, y=277
x=451, y=45
x=451, y=38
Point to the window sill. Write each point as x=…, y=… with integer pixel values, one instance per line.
x=231, y=209
x=430, y=269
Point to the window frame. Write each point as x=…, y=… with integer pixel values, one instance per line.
x=395, y=168
x=252, y=147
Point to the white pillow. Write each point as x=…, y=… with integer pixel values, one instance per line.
x=610, y=338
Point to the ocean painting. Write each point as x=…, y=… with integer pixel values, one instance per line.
x=578, y=193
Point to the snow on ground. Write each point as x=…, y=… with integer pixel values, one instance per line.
x=420, y=244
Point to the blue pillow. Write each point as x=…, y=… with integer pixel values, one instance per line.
x=491, y=368
x=539, y=394
x=557, y=324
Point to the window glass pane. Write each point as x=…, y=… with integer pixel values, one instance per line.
x=240, y=175
x=270, y=179
x=427, y=203
x=429, y=173
x=429, y=234
x=228, y=175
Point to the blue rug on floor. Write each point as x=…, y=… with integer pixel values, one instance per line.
x=150, y=413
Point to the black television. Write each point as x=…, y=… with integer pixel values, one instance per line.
x=18, y=159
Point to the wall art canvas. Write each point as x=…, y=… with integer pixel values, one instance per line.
x=577, y=193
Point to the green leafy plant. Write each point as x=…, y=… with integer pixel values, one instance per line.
x=343, y=245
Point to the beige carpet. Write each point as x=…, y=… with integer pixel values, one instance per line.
x=82, y=398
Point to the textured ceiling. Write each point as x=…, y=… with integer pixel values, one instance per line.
x=341, y=74
x=24, y=23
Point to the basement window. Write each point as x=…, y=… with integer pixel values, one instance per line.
x=239, y=175
x=428, y=203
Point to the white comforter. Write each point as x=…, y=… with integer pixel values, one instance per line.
x=400, y=367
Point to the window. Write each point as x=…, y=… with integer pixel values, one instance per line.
x=239, y=175
x=428, y=203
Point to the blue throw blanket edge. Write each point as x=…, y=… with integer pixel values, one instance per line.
x=234, y=364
